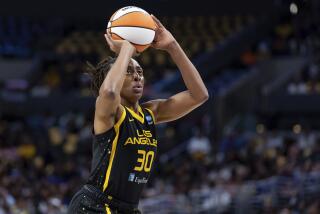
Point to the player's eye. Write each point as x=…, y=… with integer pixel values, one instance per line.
x=130, y=71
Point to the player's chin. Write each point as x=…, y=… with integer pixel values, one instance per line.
x=137, y=94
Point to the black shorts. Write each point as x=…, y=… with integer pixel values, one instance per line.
x=85, y=203
x=82, y=203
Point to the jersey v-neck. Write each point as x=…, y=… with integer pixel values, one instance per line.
x=139, y=117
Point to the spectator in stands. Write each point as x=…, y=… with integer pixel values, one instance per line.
x=199, y=145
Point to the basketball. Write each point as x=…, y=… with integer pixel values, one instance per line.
x=134, y=25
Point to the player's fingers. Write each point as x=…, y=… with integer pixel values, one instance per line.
x=109, y=34
x=136, y=53
x=109, y=42
x=154, y=44
x=158, y=23
x=108, y=39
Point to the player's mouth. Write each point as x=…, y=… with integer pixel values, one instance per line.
x=137, y=89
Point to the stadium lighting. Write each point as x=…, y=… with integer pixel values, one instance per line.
x=260, y=128
x=293, y=8
x=296, y=128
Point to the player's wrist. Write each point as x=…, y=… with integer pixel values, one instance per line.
x=172, y=47
x=128, y=47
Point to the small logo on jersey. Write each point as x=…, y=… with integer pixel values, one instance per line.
x=131, y=119
x=149, y=119
x=142, y=180
x=131, y=177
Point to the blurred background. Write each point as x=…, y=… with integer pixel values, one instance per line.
x=254, y=147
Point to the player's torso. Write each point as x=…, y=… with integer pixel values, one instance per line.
x=131, y=156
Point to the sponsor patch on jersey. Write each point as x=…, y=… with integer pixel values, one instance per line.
x=142, y=180
x=131, y=177
x=136, y=179
x=149, y=119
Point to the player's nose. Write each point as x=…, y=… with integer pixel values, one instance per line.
x=136, y=76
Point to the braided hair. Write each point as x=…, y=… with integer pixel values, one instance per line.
x=98, y=73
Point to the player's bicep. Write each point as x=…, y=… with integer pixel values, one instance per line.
x=173, y=108
x=106, y=111
x=106, y=106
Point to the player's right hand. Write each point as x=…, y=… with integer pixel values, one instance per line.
x=117, y=45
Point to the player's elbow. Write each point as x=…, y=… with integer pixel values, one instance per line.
x=203, y=97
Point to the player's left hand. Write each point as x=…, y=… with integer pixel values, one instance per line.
x=163, y=38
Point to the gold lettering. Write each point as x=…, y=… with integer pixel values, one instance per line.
x=144, y=140
x=140, y=160
x=139, y=135
x=154, y=142
x=136, y=140
x=144, y=161
x=148, y=162
x=129, y=140
x=147, y=133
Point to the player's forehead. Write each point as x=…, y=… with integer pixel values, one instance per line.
x=134, y=63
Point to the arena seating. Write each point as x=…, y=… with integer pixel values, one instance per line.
x=56, y=151
x=46, y=154
x=21, y=36
x=77, y=47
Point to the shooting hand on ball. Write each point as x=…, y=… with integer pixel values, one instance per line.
x=163, y=38
x=117, y=45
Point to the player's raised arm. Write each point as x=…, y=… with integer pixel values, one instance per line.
x=182, y=103
x=108, y=101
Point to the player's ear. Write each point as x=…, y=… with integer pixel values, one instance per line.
x=144, y=80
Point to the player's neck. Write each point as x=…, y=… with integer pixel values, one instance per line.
x=132, y=106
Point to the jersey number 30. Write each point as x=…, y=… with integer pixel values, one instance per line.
x=145, y=161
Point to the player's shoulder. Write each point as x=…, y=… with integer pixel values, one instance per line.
x=152, y=105
x=149, y=109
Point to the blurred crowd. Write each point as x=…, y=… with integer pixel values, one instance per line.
x=263, y=172
x=306, y=81
x=22, y=36
x=63, y=50
x=45, y=159
x=62, y=69
x=38, y=170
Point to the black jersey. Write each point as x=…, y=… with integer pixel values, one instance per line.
x=123, y=156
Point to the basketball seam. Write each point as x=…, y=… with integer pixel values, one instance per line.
x=125, y=14
x=131, y=26
x=127, y=40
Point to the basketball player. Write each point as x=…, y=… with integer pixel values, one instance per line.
x=125, y=142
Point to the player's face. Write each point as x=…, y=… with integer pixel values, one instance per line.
x=132, y=88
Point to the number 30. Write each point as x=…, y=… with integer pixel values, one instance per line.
x=145, y=161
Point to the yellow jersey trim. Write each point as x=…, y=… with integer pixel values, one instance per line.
x=137, y=116
x=152, y=115
x=113, y=150
x=108, y=210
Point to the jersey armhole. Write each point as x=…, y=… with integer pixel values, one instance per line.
x=121, y=119
x=115, y=126
x=152, y=115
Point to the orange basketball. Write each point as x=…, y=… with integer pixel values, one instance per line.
x=134, y=25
